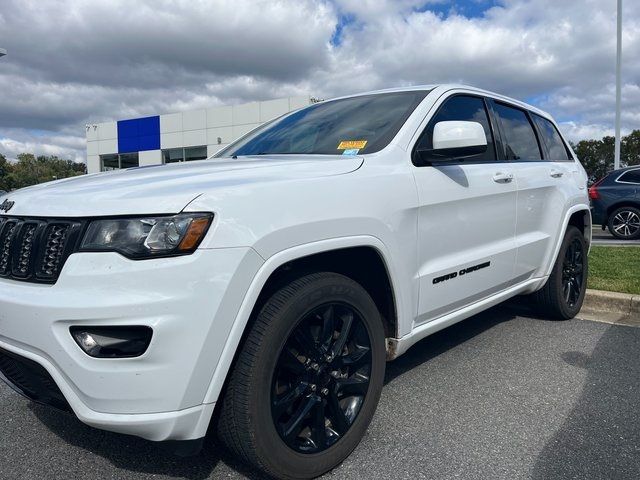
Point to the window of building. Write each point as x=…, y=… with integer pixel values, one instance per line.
x=630, y=176
x=173, y=155
x=461, y=108
x=116, y=162
x=186, y=154
x=555, y=146
x=520, y=142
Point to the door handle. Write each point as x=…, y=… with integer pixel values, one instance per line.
x=501, y=177
x=556, y=173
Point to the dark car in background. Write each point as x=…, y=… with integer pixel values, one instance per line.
x=615, y=203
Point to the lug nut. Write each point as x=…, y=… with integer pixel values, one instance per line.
x=325, y=391
x=313, y=388
x=335, y=374
x=315, y=366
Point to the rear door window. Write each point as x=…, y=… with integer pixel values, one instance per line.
x=556, y=149
x=631, y=176
x=519, y=138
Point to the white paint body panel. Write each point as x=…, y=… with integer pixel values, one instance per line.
x=423, y=221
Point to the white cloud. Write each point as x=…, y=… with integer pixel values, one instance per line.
x=74, y=62
x=62, y=146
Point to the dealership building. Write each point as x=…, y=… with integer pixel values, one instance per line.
x=178, y=137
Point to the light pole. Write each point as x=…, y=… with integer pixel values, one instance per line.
x=616, y=159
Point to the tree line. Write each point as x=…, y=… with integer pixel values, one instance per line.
x=31, y=170
x=596, y=157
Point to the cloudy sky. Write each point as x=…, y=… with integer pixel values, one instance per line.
x=73, y=62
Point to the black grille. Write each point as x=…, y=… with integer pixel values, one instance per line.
x=31, y=380
x=35, y=250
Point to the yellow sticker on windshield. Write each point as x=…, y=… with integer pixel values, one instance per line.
x=349, y=144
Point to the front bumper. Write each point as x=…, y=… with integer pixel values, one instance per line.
x=190, y=303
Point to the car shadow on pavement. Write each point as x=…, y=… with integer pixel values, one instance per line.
x=444, y=340
x=138, y=455
x=600, y=437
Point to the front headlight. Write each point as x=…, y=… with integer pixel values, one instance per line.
x=147, y=237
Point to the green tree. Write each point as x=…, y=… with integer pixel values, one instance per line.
x=597, y=156
x=31, y=170
x=630, y=150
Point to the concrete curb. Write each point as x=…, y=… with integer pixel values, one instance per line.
x=611, y=307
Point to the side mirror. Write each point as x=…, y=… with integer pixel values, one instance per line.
x=454, y=140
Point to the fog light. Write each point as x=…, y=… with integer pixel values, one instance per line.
x=112, y=342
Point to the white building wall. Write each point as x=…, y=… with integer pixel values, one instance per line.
x=150, y=157
x=214, y=127
x=93, y=163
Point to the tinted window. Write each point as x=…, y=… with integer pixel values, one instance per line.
x=195, y=153
x=129, y=160
x=632, y=176
x=115, y=161
x=362, y=124
x=551, y=138
x=462, y=108
x=109, y=162
x=519, y=140
x=172, y=155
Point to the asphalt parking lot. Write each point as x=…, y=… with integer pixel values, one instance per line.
x=498, y=396
x=603, y=237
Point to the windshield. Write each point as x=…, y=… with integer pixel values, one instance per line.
x=350, y=126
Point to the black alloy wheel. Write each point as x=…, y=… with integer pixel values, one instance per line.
x=573, y=272
x=321, y=378
x=562, y=295
x=308, y=378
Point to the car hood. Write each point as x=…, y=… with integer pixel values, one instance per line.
x=166, y=188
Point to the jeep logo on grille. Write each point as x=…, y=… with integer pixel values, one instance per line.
x=6, y=206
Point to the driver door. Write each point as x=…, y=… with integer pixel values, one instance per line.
x=466, y=219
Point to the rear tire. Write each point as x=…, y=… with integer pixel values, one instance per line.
x=307, y=380
x=562, y=296
x=624, y=223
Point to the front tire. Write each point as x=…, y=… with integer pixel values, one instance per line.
x=562, y=296
x=624, y=223
x=307, y=380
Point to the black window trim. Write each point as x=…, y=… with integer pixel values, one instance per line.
x=541, y=147
x=617, y=180
x=547, y=154
x=490, y=116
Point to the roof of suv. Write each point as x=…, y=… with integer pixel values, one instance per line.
x=620, y=170
x=452, y=86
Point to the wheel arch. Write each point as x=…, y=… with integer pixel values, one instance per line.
x=623, y=203
x=275, y=271
x=578, y=216
x=581, y=219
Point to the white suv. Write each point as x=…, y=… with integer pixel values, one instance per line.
x=271, y=283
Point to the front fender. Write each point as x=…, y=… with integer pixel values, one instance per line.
x=259, y=281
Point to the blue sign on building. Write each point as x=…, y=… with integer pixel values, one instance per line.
x=139, y=134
